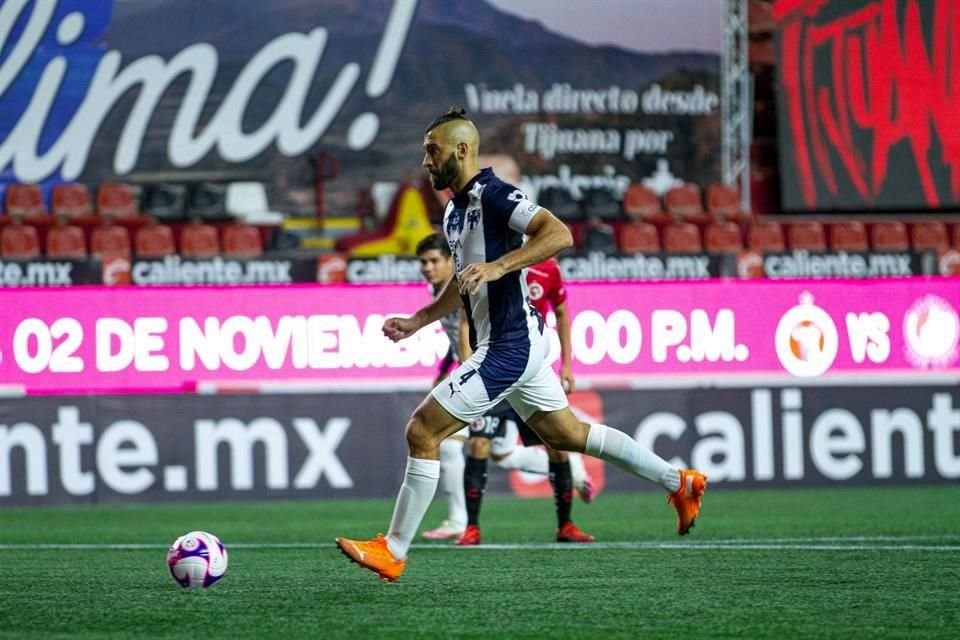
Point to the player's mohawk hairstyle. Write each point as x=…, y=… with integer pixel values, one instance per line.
x=454, y=113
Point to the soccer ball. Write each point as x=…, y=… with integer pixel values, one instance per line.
x=197, y=559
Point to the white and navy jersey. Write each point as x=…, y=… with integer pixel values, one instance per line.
x=482, y=222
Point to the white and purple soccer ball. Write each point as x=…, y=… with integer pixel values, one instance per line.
x=197, y=560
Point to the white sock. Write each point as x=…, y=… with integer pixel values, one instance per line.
x=529, y=459
x=617, y=447
x=578, y=472
x=451, y=480
x=416, y=493
x=502, y=446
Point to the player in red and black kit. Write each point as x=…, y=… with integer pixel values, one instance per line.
x=496, y=434
x=546, y=290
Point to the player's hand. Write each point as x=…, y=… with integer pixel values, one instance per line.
x=476, y=275
x=396, y=329
x=566, y=378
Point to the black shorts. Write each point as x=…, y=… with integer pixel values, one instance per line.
x=493, y=425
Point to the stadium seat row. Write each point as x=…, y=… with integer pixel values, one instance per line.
x=765, y=237
x=70, y=199
x=641, y=202
x=66, y=241
x=168, y=202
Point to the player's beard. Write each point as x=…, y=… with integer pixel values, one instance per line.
x=445, y=176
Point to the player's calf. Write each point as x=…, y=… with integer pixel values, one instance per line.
x=560, y=430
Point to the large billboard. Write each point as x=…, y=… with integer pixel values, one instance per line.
x=868, y=113
x=108, y=449
x=176, y=339
x=96, y=89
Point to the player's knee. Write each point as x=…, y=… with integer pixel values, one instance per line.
x=559, y=439
x=553, y=440
x=479, y=448
x=419, y=436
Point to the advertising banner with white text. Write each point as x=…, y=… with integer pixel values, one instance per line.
x=176, y=339
x=595, y=95
x=110, y=449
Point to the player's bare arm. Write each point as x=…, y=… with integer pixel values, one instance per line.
x=547, y=237
x=563, y=331
x=397, y=329
x=464, y=337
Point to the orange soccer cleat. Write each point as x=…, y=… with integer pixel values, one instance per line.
x=570, y=532
x=374, y=555
x=470, y=537
x=686, y=499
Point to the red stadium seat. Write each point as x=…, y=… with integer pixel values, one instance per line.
x=766, y=237
x=66, y=241
x=109, y=241
x=682, y=237
x=116, y=199
x=889, y=236
x=639, y=237
x=199, y=241
x=242, y=241
x=723, y=201
x=762, y=52
x=723, y=237
x=848, y=236
x=154, y=241
x=642, y=203
x=760, y=17
x=686, y=202
x=807, y=235
x=19, y=242
x=929, y=236
x=25, y=200
x=71, y=199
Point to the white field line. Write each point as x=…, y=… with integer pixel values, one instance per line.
x=830, y=543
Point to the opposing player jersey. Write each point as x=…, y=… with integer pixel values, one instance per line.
x=485, y=220
x=451, y=326
x=545, y=286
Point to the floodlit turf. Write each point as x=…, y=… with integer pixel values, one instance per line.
x=844, y=563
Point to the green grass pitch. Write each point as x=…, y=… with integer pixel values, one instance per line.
x=818, y=563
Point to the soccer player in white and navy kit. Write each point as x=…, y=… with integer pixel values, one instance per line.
x=436, y=267
x=497, y=432
x=484, y=224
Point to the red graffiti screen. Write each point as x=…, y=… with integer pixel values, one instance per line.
x=869, y=104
